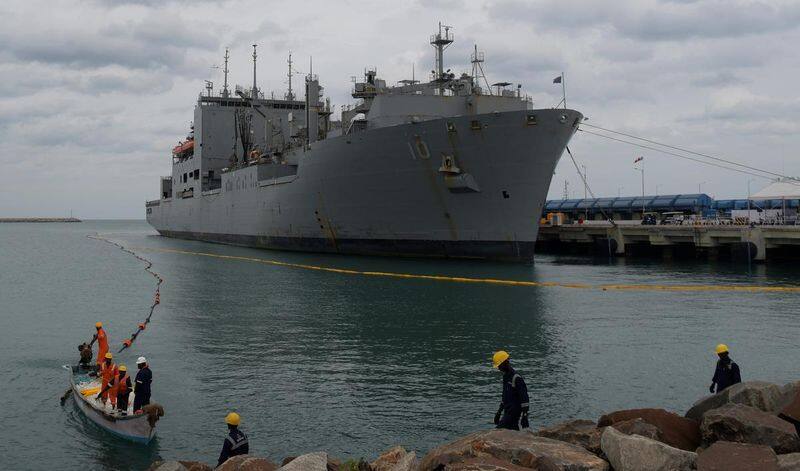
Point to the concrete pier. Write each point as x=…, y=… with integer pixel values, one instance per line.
x=705, y=239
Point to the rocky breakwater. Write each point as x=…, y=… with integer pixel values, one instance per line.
x=737, y=429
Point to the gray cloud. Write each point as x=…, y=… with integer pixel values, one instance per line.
x=152, y=42
x=649, y=21
x=109, y=87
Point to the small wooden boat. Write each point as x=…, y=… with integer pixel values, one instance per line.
x=127, y=425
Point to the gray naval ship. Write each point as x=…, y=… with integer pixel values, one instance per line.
x=451, y=168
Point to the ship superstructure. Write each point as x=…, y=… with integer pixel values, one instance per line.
x=451, y=167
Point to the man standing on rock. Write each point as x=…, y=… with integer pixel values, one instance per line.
x=727, y=372
x=236, y=441
x=515, y=400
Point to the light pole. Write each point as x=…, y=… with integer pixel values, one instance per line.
x=748, y=226
x=585, y=190
x=657, y=187
x=619, y=191
x=641, y=169
x=700, y=185
x=585, y=182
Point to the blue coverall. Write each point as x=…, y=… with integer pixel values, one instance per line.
x=515, y=398
x=235, y=444
x=726, y=374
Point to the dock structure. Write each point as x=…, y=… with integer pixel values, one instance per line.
x=620, y=238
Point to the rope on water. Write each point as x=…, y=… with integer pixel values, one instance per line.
x=156, y=298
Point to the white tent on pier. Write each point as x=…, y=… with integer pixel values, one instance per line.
x=782, y=189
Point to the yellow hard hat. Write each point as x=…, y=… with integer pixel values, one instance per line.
x=109, y=355
x=233, y=419
x=721, y=348
x=499, y=357
x=98, y=324
x=123, y=368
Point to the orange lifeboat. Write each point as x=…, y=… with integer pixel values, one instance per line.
x=184, y=149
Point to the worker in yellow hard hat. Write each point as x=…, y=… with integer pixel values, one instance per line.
x=121, y=389
x=108, y=371
x=515, y=402
x=236, y=441
x=727, y=371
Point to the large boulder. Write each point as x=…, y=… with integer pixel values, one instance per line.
x=484, y=464
x=409, y=462
x=308, y=462
x=636, y=453
x=758, y=394
x=676, y=431
x=745, y=424
x=578, y=432
x=179, y=466
x=395, y=459
x=729, y=456
x=789, y=392
x=789, y=462
x=520, y=448
x=247, y=463
x=196, y=466
x=639, y=427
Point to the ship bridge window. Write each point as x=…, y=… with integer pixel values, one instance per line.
x=197, y=174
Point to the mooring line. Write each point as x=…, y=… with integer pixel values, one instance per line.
x=156, y=298
x=492, y=281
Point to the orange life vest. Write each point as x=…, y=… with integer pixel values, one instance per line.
x=107, y=372
x=121, y=384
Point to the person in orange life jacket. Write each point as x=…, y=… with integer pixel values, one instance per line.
x=102, y=342
x=108, y=370
x=122, y=386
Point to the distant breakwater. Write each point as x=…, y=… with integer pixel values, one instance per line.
x=40, y=220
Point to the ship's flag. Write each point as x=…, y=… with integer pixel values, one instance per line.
x=557, y=79
x=638, y=159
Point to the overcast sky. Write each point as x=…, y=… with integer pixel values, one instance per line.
x=95, y=93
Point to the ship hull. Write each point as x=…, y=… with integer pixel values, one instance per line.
x=390, y=191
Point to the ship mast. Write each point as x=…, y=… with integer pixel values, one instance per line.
x=290, y=95
x=477, y=69
x=225, y=92
x=254, y=94
x=440, y=42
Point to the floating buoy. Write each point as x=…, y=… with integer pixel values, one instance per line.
x=157, y=297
